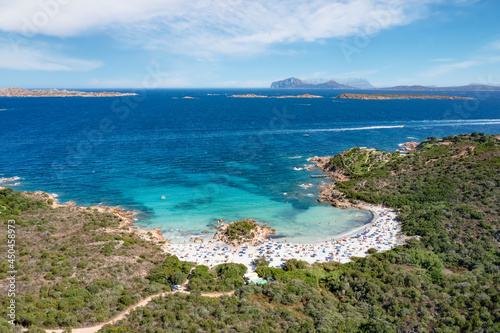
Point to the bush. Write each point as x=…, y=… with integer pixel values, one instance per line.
x=239, y=230
x=293, y=264
x=178, y=278
x=261, y=261
x=126, y=300
x=171, y=268
x=83, y=263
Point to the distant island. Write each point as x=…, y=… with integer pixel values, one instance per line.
x=363, y=84
x=283, y=96
x=470, y=87
x=294, y=83
x=20, y=92
x=397, y=96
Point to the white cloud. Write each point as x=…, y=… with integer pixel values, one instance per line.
x=494, y=45
x=487, y=54
x=444, y=69
x=16, y=55
x=209, y=27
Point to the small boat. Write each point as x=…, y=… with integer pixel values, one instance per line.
x=306, y=135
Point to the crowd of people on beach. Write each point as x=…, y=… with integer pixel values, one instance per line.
x=383, y=233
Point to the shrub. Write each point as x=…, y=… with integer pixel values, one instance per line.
x=83, y=263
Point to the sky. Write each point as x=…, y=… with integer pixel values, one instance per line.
x=246, y=43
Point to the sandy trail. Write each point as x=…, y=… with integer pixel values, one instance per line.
x=143, y=302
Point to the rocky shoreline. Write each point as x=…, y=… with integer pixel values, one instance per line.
x=258, y=234
x=329, y=193
x=283, y=96
x=397, y=96
x=126, y=216
x=19, y=92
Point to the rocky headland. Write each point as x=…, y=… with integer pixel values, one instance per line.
x=343, y=167
x=329, y=193
x=126, y=216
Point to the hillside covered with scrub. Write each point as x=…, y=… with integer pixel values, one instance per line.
x=444, y=280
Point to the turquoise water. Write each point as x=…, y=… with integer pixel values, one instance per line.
x=214, y=157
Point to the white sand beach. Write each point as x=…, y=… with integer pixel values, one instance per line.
x=382, y=233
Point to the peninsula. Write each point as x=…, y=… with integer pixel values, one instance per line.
x=397, y=96
x=20, y=92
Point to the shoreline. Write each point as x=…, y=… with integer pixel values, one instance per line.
x=382, y=232
x=127, y=220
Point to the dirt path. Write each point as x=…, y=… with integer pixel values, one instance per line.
x=143, y=302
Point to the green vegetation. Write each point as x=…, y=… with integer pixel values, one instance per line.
x=75, y=266
x=240, y=230
x=447, y=194
x=359, y=161
x=192, y=313
x=444, y=280
x=260, y=261
x=224, y=277
x=171, y=271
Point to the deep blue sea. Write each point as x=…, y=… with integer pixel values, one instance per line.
x=212, y=156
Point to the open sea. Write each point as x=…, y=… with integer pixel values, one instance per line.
x=215, y=157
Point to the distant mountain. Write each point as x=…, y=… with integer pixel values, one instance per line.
x=356, y=83
x=470, y=87
x=294, y=83
x=291, y=82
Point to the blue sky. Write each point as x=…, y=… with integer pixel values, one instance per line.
x=238, y=43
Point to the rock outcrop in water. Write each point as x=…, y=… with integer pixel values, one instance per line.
x=243, y=232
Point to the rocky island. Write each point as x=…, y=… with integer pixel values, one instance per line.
x=283, y=96
x=20, y=92
x=243, y=232
x=397, y=96
x=300, y=96
x=249, y=96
